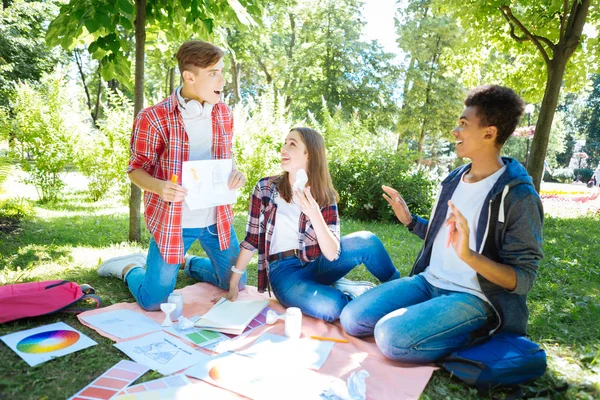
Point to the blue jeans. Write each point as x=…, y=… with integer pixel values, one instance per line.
x=415, y=322
x=307, y=285
x=152, y=286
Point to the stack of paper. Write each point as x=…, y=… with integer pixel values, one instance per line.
x=231, y=317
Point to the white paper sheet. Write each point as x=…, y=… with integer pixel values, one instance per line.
x=123, y=323
x=259, y=379
x=161, y=352
x=305, y=352
x=38, y=345
x=206, y=182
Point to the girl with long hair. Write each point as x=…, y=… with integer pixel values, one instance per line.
x=297, y=235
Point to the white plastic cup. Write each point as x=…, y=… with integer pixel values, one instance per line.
x=177, y=299
x=293, y=323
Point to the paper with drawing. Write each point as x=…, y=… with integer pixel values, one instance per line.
x=122, y=323
x=161, y=352
x=206, y=182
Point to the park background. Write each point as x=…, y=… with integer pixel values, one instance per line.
x=74, y=73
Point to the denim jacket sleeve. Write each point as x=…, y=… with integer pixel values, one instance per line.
x=418, y=226
x=521, y=245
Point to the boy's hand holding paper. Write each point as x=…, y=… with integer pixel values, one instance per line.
x=208, y=183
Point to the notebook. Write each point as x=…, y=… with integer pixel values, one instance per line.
x=231, y=317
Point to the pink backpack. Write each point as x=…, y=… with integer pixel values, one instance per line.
x=22, y=300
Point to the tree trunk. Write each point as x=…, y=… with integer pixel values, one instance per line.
x=79, y=62
x=140, y=41
x=236, y=69
x=539, y=145
x=421, y=141
x=171, y=81
x=98, y=94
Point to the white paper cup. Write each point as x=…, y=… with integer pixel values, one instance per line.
x=293, y=322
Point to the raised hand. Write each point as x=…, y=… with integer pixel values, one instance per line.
x=398, y=204
x=307, y=203
x=458, y=232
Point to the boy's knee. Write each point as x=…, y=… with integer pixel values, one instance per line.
x=152, y=301
x=349, y=318
x=151, y=305
x=397, y=344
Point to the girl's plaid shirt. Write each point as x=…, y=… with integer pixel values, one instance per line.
x=159, y=146
x=261, y=222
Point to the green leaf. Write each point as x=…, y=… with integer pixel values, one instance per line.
x=125, y=6
x=114, y=45
x=91, y=25
x=93, y=47
x=208, y=23
x=79, y=14
x=104, y=19
x=126, y=23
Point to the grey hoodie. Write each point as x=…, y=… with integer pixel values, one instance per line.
x=509, y=232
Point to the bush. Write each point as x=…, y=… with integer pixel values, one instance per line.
x=359, y=179
x=43, y=140
x=584, y=174
x=103, y=155
x=563, y=175
x=18, y=208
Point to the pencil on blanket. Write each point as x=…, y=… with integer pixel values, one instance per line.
x=330, y=339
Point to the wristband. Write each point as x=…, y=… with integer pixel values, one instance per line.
x=236, y=271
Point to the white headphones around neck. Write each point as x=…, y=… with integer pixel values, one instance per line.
x=192, y=109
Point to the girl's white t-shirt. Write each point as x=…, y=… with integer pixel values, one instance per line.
x=285, y=232
x=446, y=270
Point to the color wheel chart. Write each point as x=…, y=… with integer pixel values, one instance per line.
x=41, y=344
x=48, y=341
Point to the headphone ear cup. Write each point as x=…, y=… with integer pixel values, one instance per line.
x=193, y=108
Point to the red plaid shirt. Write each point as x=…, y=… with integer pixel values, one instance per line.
x=261, y=222
x=159, y=145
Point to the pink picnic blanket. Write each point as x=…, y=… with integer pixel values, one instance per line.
x=387, y=380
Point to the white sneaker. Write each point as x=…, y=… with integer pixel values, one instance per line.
x=352, y=288
x=113, y=267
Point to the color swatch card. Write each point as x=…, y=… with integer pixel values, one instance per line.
x=44, y=343
x=259, y=320
x=169, y=382
x=122, y=323
x=161, y=352
x=200, y=337
x=108, y=385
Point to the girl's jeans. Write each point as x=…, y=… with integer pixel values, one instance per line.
x=307, y=285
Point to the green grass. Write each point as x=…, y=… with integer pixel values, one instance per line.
x=66, y=240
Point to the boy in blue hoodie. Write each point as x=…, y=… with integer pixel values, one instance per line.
x=482, y=247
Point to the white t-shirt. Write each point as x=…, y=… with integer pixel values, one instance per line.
x=199, y=131
x=285, y=232
x=446, y=270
